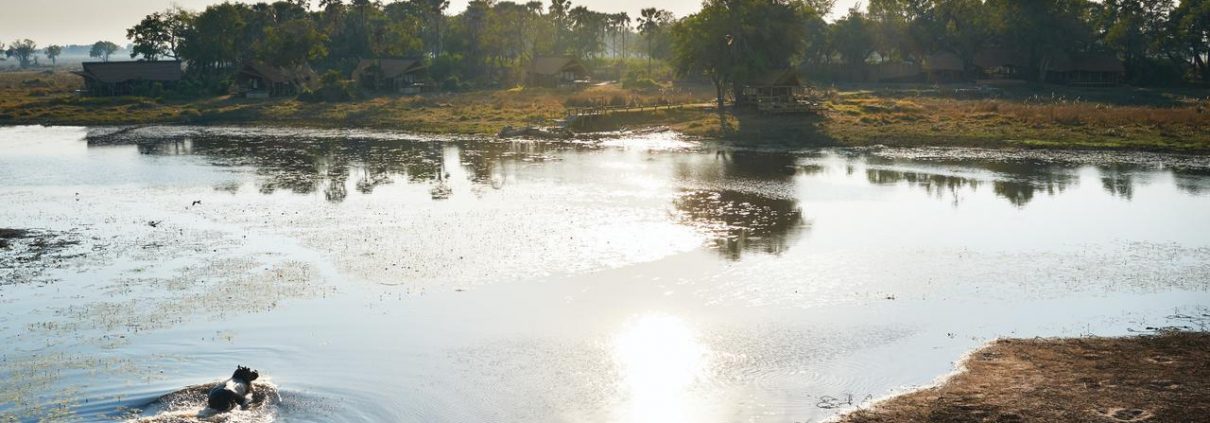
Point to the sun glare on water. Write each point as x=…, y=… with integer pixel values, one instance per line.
x=659, y=358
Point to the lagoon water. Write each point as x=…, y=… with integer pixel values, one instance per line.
x=376, y=276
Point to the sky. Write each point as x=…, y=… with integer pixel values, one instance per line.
x=87, y=21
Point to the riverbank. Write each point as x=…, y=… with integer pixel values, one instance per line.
x=1162, y=378
x=1020, y=117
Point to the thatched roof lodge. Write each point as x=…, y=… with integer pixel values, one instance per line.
x=1085, y=69
x=121, y=78
x=943, y=67
x=1001, y=64
x=776, y=91
x=261, y=80
x=393, y=75
x=556, y=72
x=895, y=72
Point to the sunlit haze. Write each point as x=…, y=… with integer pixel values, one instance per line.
x=86, y=21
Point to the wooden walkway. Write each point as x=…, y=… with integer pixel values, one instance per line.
x=574, y=113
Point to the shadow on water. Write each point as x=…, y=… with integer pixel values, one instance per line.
x=753, y=127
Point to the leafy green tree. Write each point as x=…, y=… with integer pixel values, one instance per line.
x=159, y=34
x=1190, y=26
x=731, y=41
x=816, y=48
x=1040, y=28
x=102, y=50
x=52, y=52
x=23, y=50
x=293, y=43
x=558, y=13
x=433, y=14
x=218, y=38
x=852, y=38
x=960, y=27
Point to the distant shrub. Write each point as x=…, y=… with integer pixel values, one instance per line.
x=334, y=89
x=451, y=84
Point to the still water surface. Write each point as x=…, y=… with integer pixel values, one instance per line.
x=644, y=278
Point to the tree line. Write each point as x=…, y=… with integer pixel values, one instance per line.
x=488, y=43
x=1158, y=41
x=727, y=41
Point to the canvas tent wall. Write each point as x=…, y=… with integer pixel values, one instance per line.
x=943, y=67
x=1083, y=69
x=555, y=71
x=391, y=75
x=1001, y=64
x=257, y=79
x=123, y=78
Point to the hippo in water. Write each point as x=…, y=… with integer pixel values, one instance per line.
x=234, y=391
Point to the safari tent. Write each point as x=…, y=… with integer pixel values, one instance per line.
x=1084, y=69
x=260, y=80
x=556, y=72
x=121, y=78
x=943, y=67
x=391, y=75
x=1000, y=64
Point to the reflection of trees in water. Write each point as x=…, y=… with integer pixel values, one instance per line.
x=307, y=166
x=1119, y=179
x=935, y=184
x=1192, y=181
x=733, y=201
x=1018, y=182
x=739, y=221
x=759, y=165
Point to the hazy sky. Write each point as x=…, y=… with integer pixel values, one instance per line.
x=86, y=21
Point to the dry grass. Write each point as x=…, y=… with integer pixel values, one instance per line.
x=1163, y=378
x=862, y=119
x=614, y=95
x=1125, y=119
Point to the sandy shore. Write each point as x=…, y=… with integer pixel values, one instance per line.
x=1160, y=378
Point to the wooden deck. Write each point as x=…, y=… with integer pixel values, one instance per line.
x=801, y=106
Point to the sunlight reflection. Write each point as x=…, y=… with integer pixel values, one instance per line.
x=660, y=358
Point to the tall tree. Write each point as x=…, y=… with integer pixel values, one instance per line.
x=732, y=41
x=52, y=52
x=102, y=50
x=558, y=15
x=1040, y=28
x=433, y=13
x=1191, y=29
x=652, y=25
x=159, y=34
x=23, y=50
x=853, y=39
x=218, y=38
x=293, y=43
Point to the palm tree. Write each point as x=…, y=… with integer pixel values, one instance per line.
x=648, y=25
x=434, y=11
